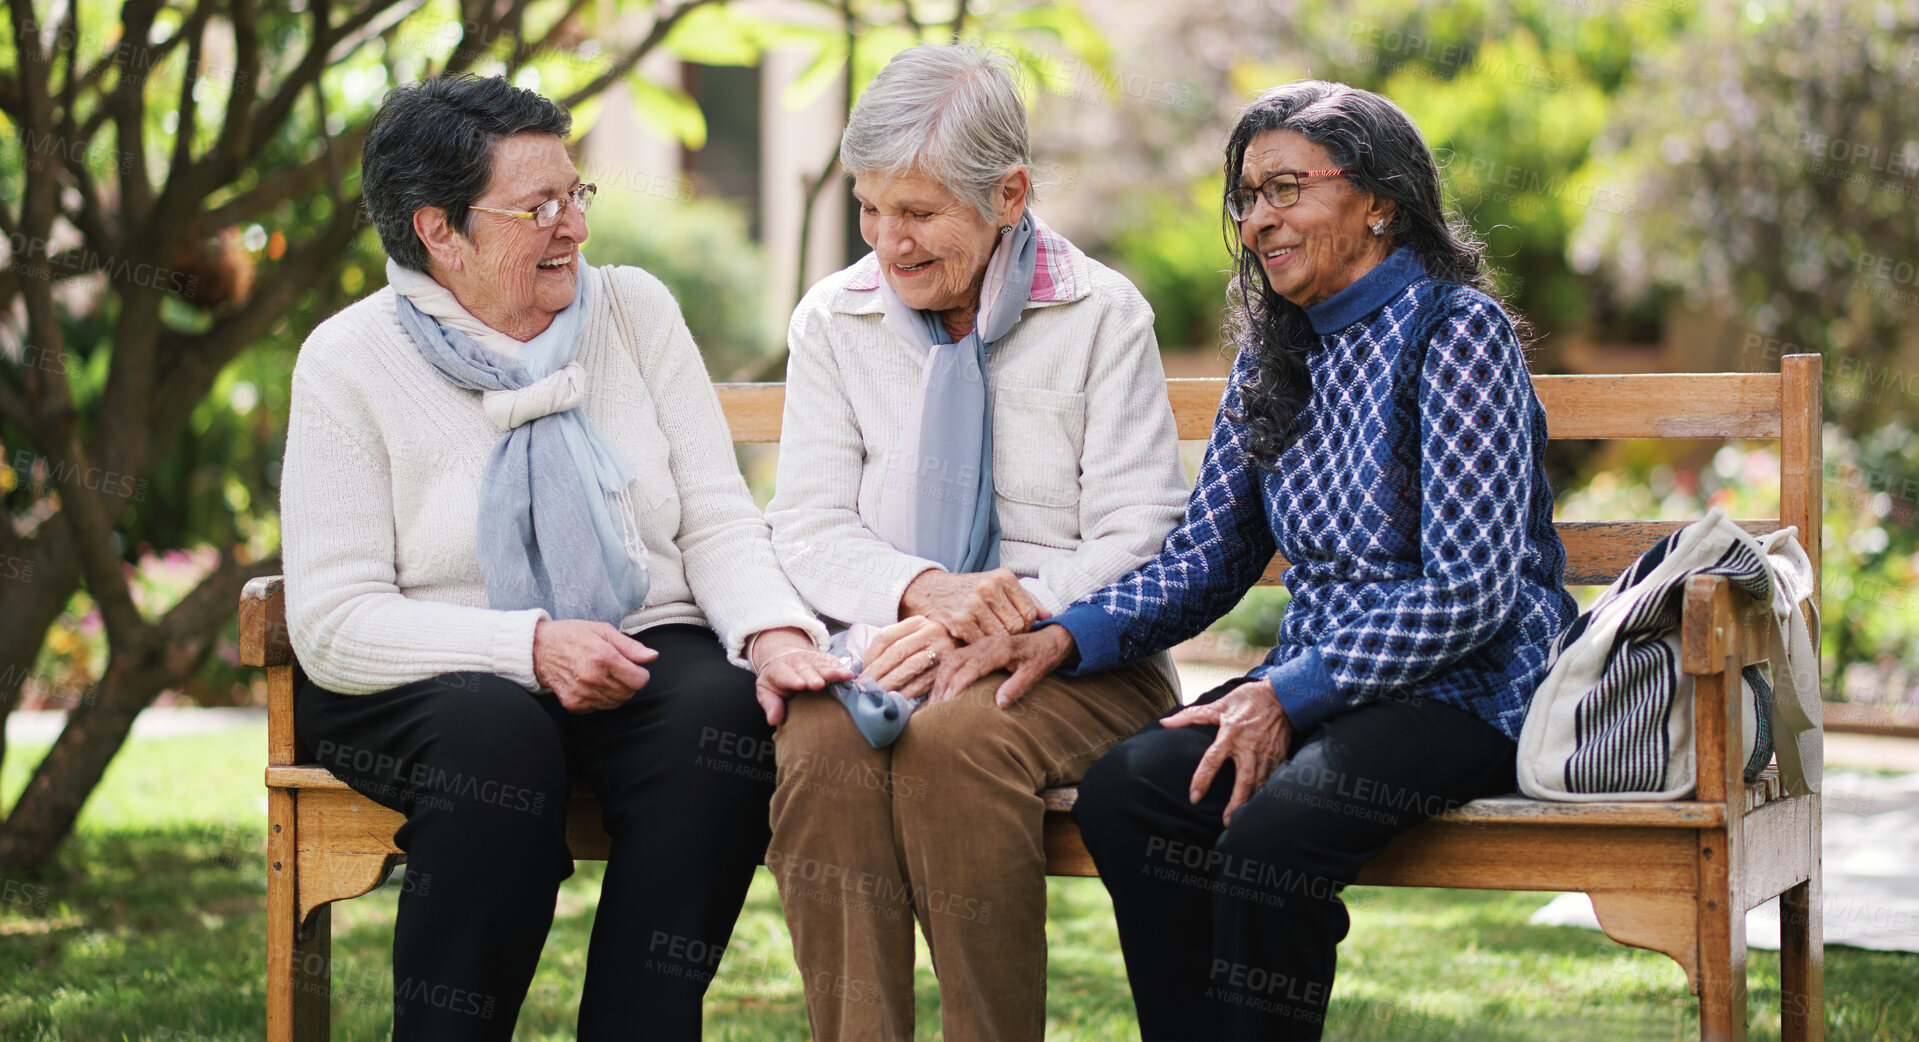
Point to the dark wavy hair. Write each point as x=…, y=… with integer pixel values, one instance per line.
x=431, y=144
x=1386, y=154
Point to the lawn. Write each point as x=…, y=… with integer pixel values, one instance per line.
x=152, y=928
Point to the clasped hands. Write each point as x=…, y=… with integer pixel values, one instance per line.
x=939, y=611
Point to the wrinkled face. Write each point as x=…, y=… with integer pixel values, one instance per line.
x=512, y=274
x=1320, y=244
x=932, y=247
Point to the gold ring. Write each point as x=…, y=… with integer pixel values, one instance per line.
x=932, y=658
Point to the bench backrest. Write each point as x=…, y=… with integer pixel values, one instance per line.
x=1784, y=406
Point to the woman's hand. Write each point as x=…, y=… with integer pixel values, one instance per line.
x=787, y=664
x=902, y=656
x=1028, y=656
x=972, y=605
x=588, y=665
x=1253, y=733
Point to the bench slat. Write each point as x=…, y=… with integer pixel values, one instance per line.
x=1504, y=810
x=1661, y=405
x=1640, y=405
x=1596, y=551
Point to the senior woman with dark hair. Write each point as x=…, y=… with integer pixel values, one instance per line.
x=518, y=548
x=1380, y=432
x=977, y=433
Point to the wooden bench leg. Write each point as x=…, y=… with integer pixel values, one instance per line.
x=299, y=959
x=1802, y=956
x=1722, y=942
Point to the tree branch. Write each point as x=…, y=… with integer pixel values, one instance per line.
x=282, y=185
x=211, y=602
x=525, y=51
x=826, y=172
x=14, y=408
x=378, y=20
x=958, y=25
x=151, y=55
x=231, y=151
x=128, y=106
x=199, y=358
x=662, y=25
x=71, y=32
x=467, y=51
x=181, y=192
x=86, y=512
x=91, y=218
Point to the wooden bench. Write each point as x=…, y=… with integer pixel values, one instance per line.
x=1676, y=877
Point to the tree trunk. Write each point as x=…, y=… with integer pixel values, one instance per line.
x=62, y=782
x=29, y=608
x=95, y=731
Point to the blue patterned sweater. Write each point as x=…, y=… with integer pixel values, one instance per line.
x=1413, y=510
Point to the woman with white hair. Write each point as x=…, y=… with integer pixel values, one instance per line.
x=976, y=435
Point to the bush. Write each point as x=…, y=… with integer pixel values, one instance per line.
x=701, y=250
x=1173, y=252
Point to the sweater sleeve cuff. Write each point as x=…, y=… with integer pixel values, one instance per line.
x=1043, y=593
x=1305, y=689
x=884, y=585
x=1095, y=634
x=513, y=646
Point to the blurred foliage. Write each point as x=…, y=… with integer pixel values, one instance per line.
x=701, y=250
x=1511, y=96
x=1170, y=247
x=1779, y=146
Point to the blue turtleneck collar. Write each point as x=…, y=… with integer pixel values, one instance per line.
x=1367, y=294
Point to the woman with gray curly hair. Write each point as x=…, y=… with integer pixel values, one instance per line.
x=519, y=550
x=977, y=434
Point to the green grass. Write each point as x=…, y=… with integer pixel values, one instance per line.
x=151, y=927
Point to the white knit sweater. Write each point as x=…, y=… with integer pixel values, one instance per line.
x=1086, y=470
x=380, y=496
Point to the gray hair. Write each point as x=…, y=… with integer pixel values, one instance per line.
x=949, y=111
x=431, y=144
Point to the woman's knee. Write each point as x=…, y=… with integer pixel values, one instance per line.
x=498, y=729
x=1141, y=770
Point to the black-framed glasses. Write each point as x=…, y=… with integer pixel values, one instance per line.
x=547, y=214
x=1281, y=190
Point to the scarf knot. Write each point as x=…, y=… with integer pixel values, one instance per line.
x=556, y=523
x=558, y=391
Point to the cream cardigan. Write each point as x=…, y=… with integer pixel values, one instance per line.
x=1086, y=469
x=380, y=495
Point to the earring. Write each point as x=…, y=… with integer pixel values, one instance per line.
x=1379, y=226
x=1005, y=229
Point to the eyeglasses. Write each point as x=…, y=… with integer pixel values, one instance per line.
x=1281, y=190
x=547, y=214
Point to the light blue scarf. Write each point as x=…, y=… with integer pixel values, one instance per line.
x=937, y=502
x=557, y=528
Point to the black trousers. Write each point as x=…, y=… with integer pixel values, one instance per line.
x=1231, y=933
x=480, y=767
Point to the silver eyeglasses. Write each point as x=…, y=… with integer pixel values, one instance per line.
x=547, y=214
x=1281, y=190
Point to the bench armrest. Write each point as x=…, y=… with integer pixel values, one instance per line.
x=1721, y=631
x=264, y=640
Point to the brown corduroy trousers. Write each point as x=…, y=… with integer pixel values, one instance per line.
x=945, y=826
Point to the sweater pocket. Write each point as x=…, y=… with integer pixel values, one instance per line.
x=1037, y=438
